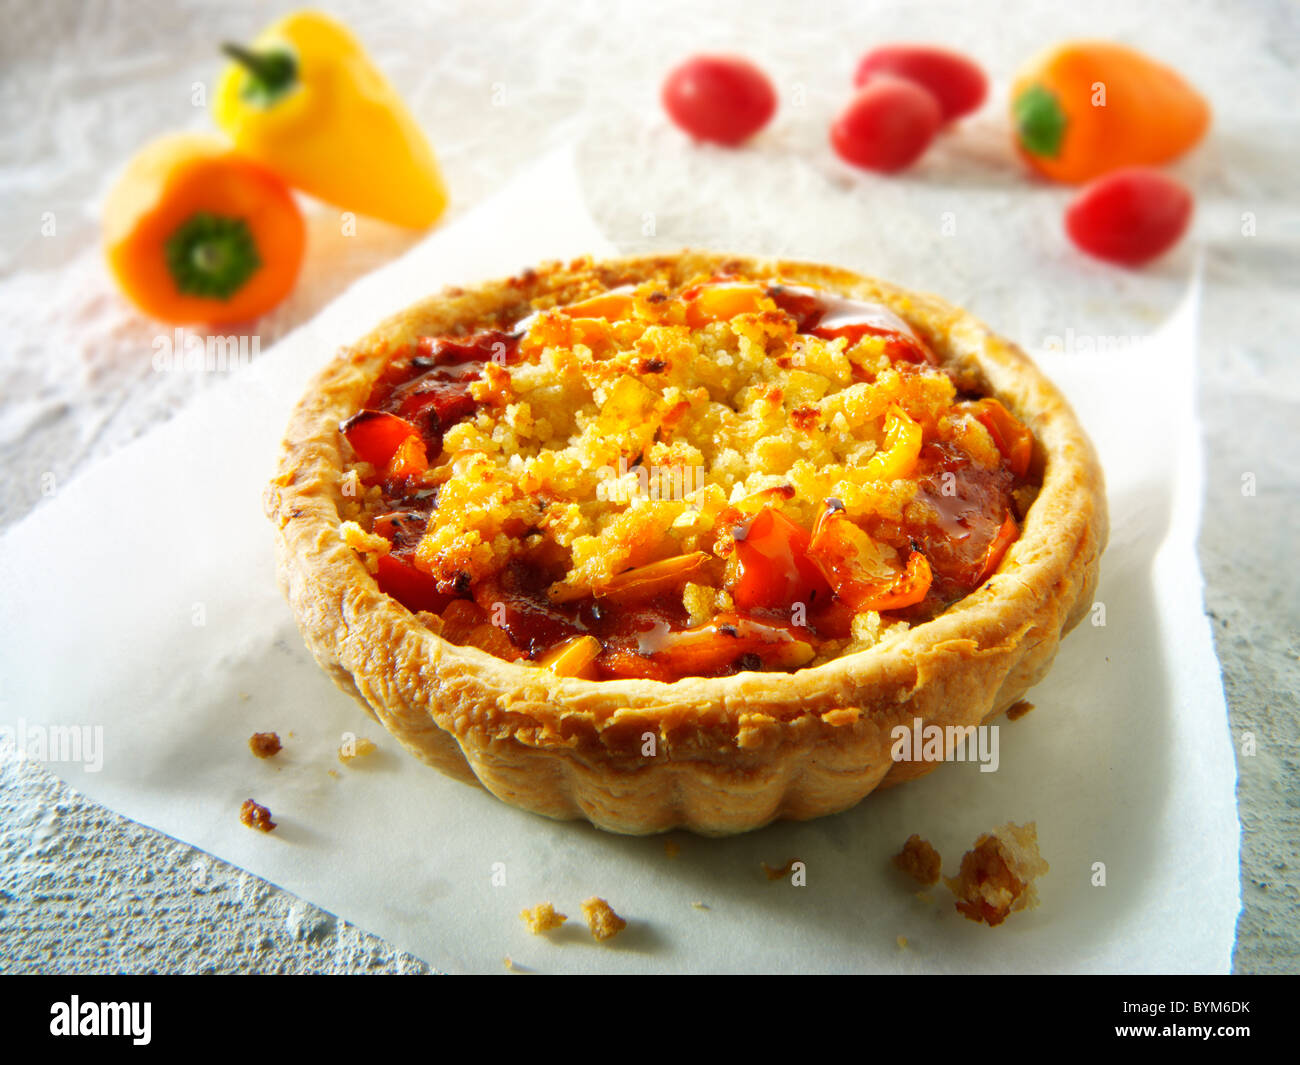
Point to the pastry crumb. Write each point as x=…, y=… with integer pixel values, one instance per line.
x=1018, y=710
x=700, y=905
x=997, y=874
x=902, y=942
x=672, y=848
x=353, y=749
x=777, y=874
x=542, y=918
x=254, y=815
x=601, y=919
x=919, y=860
x=264, y=744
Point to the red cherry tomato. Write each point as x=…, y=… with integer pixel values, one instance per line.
x=1129, y=216
x=719, y=98
x=775, y=570
x=955, y=82
x=887, y=125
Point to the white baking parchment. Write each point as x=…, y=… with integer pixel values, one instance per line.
x=141, y=605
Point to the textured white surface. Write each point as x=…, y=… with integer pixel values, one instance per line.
x=84, y=85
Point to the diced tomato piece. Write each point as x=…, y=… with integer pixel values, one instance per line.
x=774, y=568
x=1013, y=439
x=413, y=588
x=377, y=435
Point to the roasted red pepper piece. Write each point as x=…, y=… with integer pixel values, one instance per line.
x=376, y=435
x=774, y=569
x=414, y=589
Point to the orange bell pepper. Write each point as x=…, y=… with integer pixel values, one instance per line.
x=194, y=232
x=1088, y=107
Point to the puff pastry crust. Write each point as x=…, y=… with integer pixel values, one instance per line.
x=730, y=753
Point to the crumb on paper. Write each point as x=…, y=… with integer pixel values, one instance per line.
x=254, y=815
x=997, y=874
x=264, y=744
x=542, y=918
x=357, y=748
x=1018, y=710
x=601, y=919
x=778, y=874
x=902, y=942
x=244, y=696
x=672, y=848
x=919, y=860
x=700, y=905
x=333, y=772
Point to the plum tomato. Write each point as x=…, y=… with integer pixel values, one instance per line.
x=719, y=98
x=887, y=125
x=1129, y=216
x=954, y=81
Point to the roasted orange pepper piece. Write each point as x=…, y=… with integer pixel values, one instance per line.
x=1014, y=440
x=1088, y=107
x=1007, y=535
x=851, y=563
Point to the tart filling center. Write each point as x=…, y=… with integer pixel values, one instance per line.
x=659, y=483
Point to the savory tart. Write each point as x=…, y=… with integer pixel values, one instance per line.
x=680, y=540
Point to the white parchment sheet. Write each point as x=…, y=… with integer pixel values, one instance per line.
x=142, y=600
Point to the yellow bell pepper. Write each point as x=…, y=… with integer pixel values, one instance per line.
x=306, y=101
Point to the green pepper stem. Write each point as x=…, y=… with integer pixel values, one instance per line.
x=273, y=71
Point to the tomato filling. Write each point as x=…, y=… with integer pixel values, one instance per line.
x=793, y=591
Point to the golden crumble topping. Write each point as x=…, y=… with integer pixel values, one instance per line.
x=601, y=919
x=997, y=874
x=919, y=860
x=542, y=918
x=659, y=482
